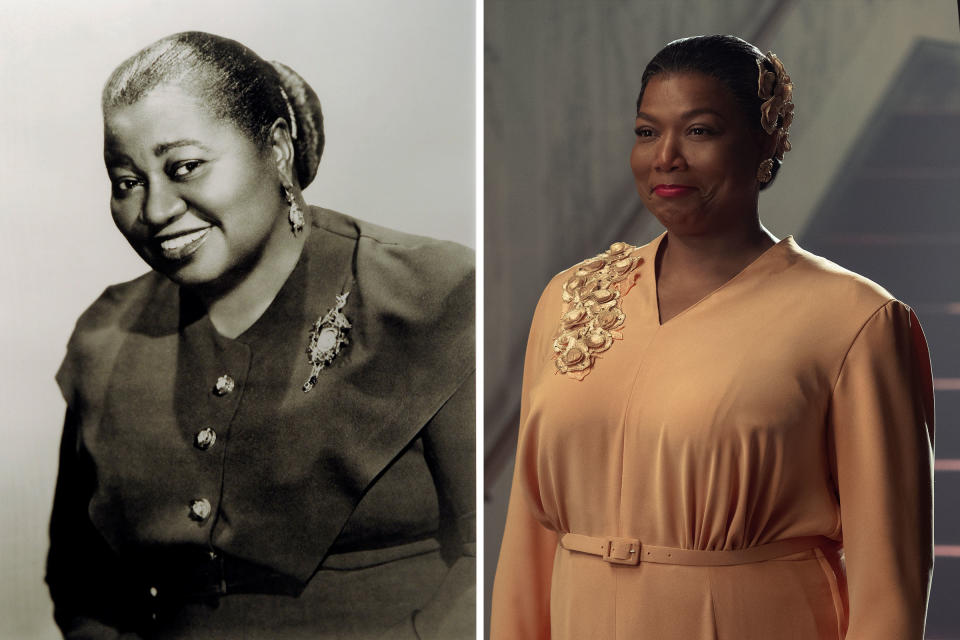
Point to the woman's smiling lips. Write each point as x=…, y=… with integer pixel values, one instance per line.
x=672, y=190
x=179, y=246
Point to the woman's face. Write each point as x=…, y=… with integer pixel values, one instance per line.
x=695, y=158
x=193, y=195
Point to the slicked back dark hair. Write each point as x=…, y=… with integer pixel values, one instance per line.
x=234, y=83
x=729, y=59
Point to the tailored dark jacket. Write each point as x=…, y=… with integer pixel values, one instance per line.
x=346, y=511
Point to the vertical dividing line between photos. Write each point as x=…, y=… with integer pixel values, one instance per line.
x=479, y=351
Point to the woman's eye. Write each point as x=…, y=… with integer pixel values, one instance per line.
x=700, y=131
x=184, y=169
x=643, y=132
x=122, y=185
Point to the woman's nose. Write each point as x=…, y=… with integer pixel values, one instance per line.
x=669, y=154
x=161, y=206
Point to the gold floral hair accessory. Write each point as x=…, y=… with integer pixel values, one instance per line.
x=776, y=90
x=592, y=316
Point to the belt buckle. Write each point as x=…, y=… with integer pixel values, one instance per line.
x=622, y=551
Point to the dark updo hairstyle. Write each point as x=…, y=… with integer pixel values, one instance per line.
x=234, y=82
x=729, y=59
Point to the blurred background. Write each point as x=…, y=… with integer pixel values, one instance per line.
x=871, y=182
x=397, y=83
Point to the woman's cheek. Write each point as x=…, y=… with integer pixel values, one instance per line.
x=125, y=213
x=117, y=211
x=638, y=167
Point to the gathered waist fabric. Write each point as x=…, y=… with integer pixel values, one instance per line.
x=631, y=551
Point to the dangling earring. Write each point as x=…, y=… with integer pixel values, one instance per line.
x=765, y=171
x=295, y=214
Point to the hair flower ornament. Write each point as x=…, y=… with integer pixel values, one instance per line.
x=776, y=112
x=327, y=336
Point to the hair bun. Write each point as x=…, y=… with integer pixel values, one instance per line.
x=308, y=144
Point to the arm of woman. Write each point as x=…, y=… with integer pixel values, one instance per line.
x=82, y=571
x=449, y=450
x=881, y=428
x=88, y=584
x=520, y=603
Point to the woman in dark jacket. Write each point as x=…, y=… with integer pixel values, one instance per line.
x=271, y=434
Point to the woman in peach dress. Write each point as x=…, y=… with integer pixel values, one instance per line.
x=722, y=436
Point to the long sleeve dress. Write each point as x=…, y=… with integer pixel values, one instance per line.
x=204, y=492
x=794, y=402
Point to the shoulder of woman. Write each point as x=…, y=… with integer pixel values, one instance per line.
x=100, y=331
x=836, y=288
x=619, y=265
x=118, y=305
x=415, y=298
x=419, y=274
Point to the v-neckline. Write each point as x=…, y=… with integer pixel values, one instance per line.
x=737, y=276
x=330, y=267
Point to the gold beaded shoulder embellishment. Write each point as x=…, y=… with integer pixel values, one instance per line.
x=592, y=315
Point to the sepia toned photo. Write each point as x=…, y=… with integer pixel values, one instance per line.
x=241, y=243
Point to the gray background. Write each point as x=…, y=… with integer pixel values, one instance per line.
x=396, y=80
x=871, y=182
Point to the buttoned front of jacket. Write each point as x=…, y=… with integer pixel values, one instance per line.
x=205, y=469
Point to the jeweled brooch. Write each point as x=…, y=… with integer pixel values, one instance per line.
x=327, y=336
x=592, y=316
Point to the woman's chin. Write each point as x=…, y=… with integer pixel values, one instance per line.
x=199, y=268
x=682, y=222
x=192, y=271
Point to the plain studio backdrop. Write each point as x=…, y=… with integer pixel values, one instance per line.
x=396, y=80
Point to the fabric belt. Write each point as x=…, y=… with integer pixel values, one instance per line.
x=193, y=573
x=631, y=551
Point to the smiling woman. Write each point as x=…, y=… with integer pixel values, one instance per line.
x=721, y=435
x=183, y=180
x=239, y=458
x=692, y=119
x=196, y=163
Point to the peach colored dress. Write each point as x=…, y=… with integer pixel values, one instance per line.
x=795, y=400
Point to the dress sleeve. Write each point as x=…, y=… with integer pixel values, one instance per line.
x=881, y=432
x=88, y=585
x=520, y=603
x=83, y=574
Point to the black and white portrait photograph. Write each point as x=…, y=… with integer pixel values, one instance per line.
x=238, y=322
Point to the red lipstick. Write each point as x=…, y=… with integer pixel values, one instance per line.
x=672, y=190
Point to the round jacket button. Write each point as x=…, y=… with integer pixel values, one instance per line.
x=205, y=439
x=200, y=509
x=225, y=385
x=153, y=592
